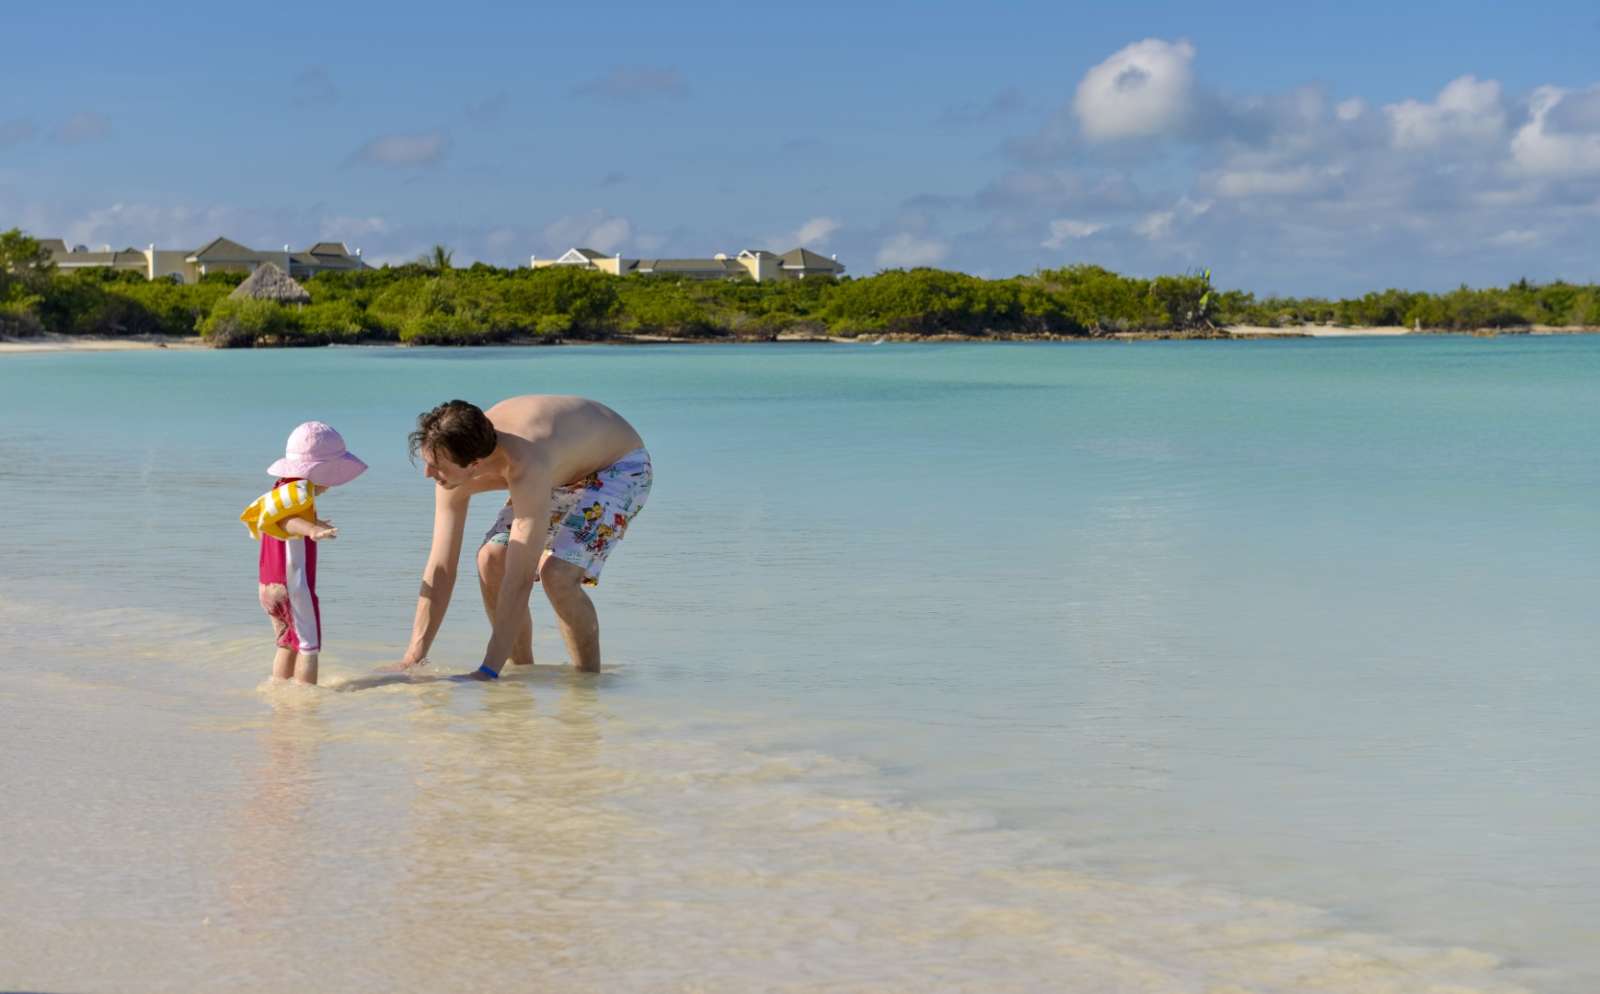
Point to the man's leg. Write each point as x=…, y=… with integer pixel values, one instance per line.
x=580, y=626
x=491, y=570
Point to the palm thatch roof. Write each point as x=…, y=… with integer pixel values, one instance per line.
x=269, y=282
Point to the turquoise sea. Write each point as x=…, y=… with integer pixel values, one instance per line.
x=1261, y=666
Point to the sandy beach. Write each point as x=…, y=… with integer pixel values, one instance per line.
x=68, y=343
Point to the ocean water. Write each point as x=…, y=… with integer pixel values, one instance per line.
x=1146, y=667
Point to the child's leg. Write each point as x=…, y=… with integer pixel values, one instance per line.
x=275, y=601
x=305, y=668
x=283, y=664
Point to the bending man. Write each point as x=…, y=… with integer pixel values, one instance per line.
x=576, y=473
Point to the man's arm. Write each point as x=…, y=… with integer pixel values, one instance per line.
x=530, y=507
x=439, y=575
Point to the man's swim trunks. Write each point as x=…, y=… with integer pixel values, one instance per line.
x=588, y=518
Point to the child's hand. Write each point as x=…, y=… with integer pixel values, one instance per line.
x=322, y=531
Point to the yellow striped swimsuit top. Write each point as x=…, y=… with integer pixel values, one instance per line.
x=266, y=514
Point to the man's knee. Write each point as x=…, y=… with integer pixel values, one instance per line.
x=561, y=579
x=492, y=563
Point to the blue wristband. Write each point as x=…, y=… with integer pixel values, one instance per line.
x=486, y=671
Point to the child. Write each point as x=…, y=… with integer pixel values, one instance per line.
x=285, y=520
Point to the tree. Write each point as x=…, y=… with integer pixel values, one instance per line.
x=25, y=265
x=439, y=259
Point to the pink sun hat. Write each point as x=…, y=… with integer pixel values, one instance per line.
x=316, y=452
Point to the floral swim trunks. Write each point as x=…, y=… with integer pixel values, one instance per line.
x=588, y=518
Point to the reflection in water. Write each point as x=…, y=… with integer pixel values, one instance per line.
x=271, y=839
x=508, y=822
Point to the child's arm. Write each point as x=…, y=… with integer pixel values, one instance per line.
x=313, y=528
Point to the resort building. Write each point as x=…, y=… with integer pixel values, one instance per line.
x=753, y=264
x=220, y=255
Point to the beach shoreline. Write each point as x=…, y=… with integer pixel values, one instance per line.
x=74, y=343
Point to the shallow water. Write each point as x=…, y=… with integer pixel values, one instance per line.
x=1256, y=666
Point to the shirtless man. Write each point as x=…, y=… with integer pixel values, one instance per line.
x=577, y=473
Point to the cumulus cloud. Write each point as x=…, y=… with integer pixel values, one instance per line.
x=1064, y=230
x=1161, y=225
x=634, y=83
x=85, y=126
x=401, y=151
x=816, y=231
x=595, y=230
x=1294, y=181
x=1144, y=90
x=188, y=226
x=1467, y=109
x=1557, y=144
x=907, y=251
x=1515, y=238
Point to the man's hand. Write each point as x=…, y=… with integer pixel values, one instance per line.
x=322, y=531
x=407, y=662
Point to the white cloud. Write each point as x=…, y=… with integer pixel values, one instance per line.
x=1349, y=110
x=180, y=226
x=1466, y=109
x=816, y=231
x=1158, y=225
x=1064, y=229
x=421, y=149
x=1143, y=90
x=595, y=230
x=906, y=251
x=1242, y=183
x=1515, y=238
x=1541, y=149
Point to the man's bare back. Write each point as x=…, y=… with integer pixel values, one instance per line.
x=562, y=439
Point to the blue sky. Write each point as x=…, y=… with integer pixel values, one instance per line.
x=1332, y=149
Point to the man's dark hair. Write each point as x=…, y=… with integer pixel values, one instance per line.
x=458, y=429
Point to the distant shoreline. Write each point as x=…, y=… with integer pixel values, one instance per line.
x=72, y=343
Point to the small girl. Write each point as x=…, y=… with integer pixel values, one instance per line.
x=285, y=520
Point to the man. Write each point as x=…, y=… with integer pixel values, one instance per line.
x=577, y=474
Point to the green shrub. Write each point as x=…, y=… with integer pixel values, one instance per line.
x=18, y=320
x=247, y=323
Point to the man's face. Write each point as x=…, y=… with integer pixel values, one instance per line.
x=437, y=466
